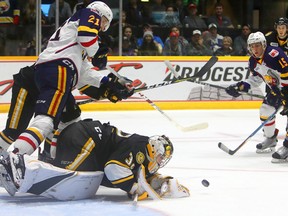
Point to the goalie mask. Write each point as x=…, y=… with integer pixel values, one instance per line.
x=159, y=152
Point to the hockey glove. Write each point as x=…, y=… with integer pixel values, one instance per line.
x=117, y=89
x=273, y=98
x=234, y=89
x=100, y=58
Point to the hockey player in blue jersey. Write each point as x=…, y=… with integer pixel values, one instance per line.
x=59, y=68
x=268, y=64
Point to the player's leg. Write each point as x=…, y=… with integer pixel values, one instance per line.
x=21, y=108
x=270, y=130
x=24, y=174
x=54, y=82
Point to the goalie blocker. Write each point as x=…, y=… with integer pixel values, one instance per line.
x=126, y=161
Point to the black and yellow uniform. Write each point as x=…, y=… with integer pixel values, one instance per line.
x=274, y=41
x=92, y=146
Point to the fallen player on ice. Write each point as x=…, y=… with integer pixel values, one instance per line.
x=90, y=154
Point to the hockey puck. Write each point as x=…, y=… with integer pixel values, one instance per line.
x=205, y=183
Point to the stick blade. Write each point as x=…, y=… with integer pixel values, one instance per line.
x=207, y=66
x=199, y=126
x=225, y=148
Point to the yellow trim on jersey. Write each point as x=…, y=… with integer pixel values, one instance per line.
x=61, y=87
x=18, y=108
x=284, y=75
x=85, y=152
x=117, y=162
x=123, y=179
x=6, y=139
x=37, y=132
x=87, y=29
x=83, y=88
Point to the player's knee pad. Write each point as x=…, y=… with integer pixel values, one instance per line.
x=44, y=124
x=266, y=111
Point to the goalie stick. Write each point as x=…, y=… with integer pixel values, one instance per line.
x=201, y=72
x=232, y=152
x=184, y=129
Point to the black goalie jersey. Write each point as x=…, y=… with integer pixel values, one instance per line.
x=92, y=146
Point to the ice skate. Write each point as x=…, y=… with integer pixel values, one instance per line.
x=12, y=170
x=268, y=145
x=280, y=156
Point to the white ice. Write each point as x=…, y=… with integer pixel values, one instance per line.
x=243, y=184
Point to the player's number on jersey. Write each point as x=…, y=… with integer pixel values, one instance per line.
x=94, y=20
x=283, y=63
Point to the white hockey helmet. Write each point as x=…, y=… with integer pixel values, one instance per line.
x=103, y=10
x=257, y=37
x=160, y=150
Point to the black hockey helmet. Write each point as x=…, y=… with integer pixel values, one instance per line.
x=281, y=21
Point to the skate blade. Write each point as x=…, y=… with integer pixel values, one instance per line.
x=265, y=151
x=274, y=160
x=6, y=181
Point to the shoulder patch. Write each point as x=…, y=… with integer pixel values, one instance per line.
x=273, y=53
x=269, y=33
x=140, y=157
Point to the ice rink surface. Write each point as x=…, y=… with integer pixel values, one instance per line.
x=243, y=184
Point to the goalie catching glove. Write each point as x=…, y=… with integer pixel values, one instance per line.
x=159, y=187
x=235, y=89
x=116, y=89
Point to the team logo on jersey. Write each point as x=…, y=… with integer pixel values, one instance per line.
x=140, y=157
x=274, y=44
x=273, y=53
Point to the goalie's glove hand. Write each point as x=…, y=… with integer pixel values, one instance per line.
x=100, y=58
x=235, y=89
x=117, y=89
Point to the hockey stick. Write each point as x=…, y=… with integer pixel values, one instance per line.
x=222, y=87
x=232, y=152
x=170, y=66
x=201, y=72
x=184, y=129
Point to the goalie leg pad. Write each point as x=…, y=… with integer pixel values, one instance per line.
x=53, y=182
x=172, y=189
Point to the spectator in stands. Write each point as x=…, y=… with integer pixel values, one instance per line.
x=219, y=19
x=227, y=47
x=196, y=46
x=149, y=46
x=157, y=11
x=9, y=21
x=240, y=42
x=82, y=4
x=193, y=20
x=173, y=47
x=147, y=27
x=129, y=42
x=29, y=20
x=181, y=9
x=212, y=39
x=181, y=39
x=171, y=18
x=134, y=13
x=64, y=12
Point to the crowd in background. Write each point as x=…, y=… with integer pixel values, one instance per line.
x=162, y=27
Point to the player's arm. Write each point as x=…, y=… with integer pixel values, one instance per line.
x=88, y=30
